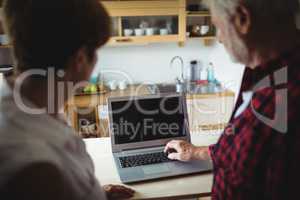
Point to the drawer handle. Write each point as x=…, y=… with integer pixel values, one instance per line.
x=124, y=40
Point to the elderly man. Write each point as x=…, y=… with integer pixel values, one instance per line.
x=257, y=157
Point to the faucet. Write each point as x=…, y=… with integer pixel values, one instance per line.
x=182, y=65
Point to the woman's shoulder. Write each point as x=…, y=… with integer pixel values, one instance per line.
x=39, y=160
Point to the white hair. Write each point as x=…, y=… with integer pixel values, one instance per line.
x=272, y=9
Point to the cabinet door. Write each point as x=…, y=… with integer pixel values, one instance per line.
x=143, y=8
x=85, y=121
x=210, y=114
x=136, y=22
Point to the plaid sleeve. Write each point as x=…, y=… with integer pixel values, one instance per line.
x=241, y=152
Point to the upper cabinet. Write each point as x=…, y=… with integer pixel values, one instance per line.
x=198, y=20
x=142, y=22
x=150, y=21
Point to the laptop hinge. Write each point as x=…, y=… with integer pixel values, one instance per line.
x=142, y=148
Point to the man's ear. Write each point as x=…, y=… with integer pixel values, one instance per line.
x=79, y=60
x=242, y=20
x=78, y=66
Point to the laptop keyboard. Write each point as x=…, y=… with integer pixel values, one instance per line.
x=145, y=159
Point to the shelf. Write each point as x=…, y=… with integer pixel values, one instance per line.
x=198, y=14
x=207, y=40
x=204, y=37
x=143, y=39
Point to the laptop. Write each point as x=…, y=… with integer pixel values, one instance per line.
x=140, y=127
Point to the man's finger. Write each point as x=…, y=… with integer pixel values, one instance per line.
x=174, y=144
x=123, y=189
x=174, y=156
x=168, y=146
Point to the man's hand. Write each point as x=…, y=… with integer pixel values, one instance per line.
x=186, y=152
x=118, y=192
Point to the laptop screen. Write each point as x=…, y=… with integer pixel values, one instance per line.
x=141, y=120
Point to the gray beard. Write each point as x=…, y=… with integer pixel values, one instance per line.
x=236, y=47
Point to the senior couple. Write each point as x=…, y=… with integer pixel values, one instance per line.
x=42, y=159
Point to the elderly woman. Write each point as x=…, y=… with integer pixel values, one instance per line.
x=257, y=157
x=40, y=156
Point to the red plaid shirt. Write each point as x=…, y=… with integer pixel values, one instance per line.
x=252, y=160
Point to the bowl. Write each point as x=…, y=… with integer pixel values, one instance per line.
x=122, y=85
x=112, y=85
x=163, y=31
x=204, y=29
x=139, y=32
x=128, y=32
x=150, y=31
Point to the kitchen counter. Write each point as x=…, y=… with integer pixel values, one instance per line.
x=133, y=90
x=206, y=111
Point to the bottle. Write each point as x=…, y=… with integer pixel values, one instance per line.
x=210, y=73
x=195, y=71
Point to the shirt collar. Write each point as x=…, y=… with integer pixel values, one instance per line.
x=284, y=60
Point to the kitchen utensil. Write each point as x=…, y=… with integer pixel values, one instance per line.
x=163, y=31
x=144, y=25
x=122, y=85
x=204, y=29
x=128, y=32
x=92, y=128
x=169, y=27
x=195, y=30
x=112, y=85
x=150, y=31
x=139, y=32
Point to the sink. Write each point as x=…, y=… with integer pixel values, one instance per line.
x=161, y=88
x=210, y=88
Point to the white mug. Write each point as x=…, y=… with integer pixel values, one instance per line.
x=204, y=29
x=139, y=32
x=150, y=31
x=112, y=85
x=122, y=85
x=128, y=32
x=163, y=31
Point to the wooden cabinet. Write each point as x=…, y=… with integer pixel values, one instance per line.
x=210, y=112
x=199, y=24
x=173, y=15
x=164, y=19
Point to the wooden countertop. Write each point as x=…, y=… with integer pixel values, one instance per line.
x=133, y=90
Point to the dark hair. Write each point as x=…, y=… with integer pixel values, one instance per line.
x=48, y=33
